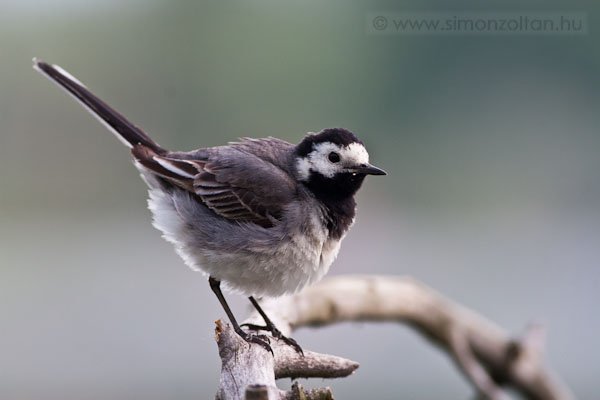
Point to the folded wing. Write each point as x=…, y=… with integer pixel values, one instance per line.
x=233, y=183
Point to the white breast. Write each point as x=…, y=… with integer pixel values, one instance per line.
x=288, y=267
x=294, y=257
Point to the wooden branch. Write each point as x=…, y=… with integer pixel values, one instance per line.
x=486, y=354
x=261, y=392
x=248, y=370
x=488, y=357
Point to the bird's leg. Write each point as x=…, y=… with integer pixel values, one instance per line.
x=270, y=326
x=215, y=285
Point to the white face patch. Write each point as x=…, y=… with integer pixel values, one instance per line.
x=318, y=159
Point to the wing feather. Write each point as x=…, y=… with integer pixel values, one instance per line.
x=233, y=183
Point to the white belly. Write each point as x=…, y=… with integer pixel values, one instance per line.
x=286, y=264
x=290, y=268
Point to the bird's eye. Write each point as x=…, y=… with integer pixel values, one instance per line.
x=334, y=157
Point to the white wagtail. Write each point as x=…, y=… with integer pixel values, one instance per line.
x=263, y=216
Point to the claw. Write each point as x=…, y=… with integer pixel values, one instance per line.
x=256, y=327
x=262, y=343
x=276, y=334
x=287, y=340
x=261, y=340
x=269, y=326
x=291, y=342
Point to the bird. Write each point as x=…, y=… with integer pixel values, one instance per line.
x=262, y=216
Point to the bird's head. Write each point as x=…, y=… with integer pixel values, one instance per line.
x=333, y=163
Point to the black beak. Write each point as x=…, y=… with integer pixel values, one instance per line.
x=368, y=169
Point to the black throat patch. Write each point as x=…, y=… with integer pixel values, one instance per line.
x=337, y=194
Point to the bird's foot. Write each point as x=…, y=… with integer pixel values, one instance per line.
x=261, y=340
x=277, y=334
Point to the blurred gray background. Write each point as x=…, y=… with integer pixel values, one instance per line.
x=491, y=144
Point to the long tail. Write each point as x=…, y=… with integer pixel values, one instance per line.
x=124, y=130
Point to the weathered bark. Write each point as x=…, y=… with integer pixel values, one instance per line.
x=250, y=370
x=487, y=355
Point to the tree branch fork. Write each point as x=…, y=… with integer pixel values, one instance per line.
x=486, y=355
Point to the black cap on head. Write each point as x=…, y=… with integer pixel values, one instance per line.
x=339, y=136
